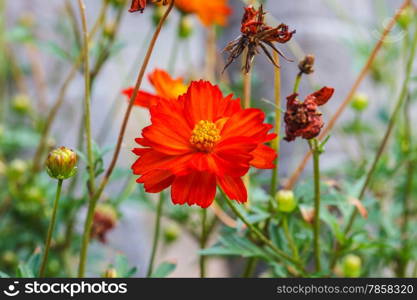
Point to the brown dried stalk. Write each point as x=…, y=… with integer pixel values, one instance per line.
x=294, y=177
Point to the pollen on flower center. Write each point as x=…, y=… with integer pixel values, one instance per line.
x=205, y=135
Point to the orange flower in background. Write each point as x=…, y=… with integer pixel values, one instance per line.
x=210, y=12
x=166, y=88
x=201, y=141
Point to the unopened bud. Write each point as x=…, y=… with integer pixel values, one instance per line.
x=104, y=220
x=171, y=233
x=185, y=29
x=158, y=13
x=286, y=201
x=110, y=273
x=21, y=104
x=406, y=17
x=109, y=30
x=360, y=102
x=16, y=169
x=352, y=265
x=61, y=163
x=306, y=66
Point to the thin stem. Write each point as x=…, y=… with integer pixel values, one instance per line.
x=281, y=254
x=156, y=234
x=105, y=180
x=203, y=241
x=277, y=128
x=297, y=82
x=289, y=237
x=50, y=229
x=87, y=100
x=390, y=127
x=37, y=158
x=247, y=88
x=250, y=267
x=211, y=53
x=316, y=226
x=296, y=174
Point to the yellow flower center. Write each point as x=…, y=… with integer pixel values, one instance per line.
x=205, y=135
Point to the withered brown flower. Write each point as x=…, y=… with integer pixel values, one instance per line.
x=303, y=119
x=256, y=35
x=140, y=5
x=104, y=220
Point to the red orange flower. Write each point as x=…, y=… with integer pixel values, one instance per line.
x=201, y=141
x=303, y=119
x=209, y=12
x=165, y=87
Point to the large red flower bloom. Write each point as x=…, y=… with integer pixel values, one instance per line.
x=200, y=141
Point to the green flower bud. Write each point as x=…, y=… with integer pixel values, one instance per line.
x=171, y=233
x=185, y=29
x=158, y=13
x=110, y=273
x=9, y=258
x=286, y=201
x=21, y=104
x=16, y=169
x=352, y=266
x=34, y=194
x=360, y=102
x=406, y=17
x=61, y=163
x=109, y=30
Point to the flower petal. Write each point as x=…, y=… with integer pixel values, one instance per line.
x=263, y=157
x=143, y=99
x=156, y=181
x=233, y=188
x=247, y=123
x=195, y=188
x=323, y=95
x=166, y=86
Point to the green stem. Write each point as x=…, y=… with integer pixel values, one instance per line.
x=281, y=254
x=250, y=267
x=277, y=128
x=50, y=229
x=289, y=237
x=316, y=162
x=87, y=100
x=203, y=241
x=156, y=234
x=297, y=82
x=390, y=127
x=106, y=178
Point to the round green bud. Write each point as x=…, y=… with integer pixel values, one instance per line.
x=34, y=194
x=158, y=13
x=171, y=233
x=61, y=163
x=110, y=273
x=360, y=102
x=16, y=169
x=185, y=29
x=109, y=30
x=21, y=104
x=406, y=17
x=9, y=258
x=286, y=201
x=352, y=265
